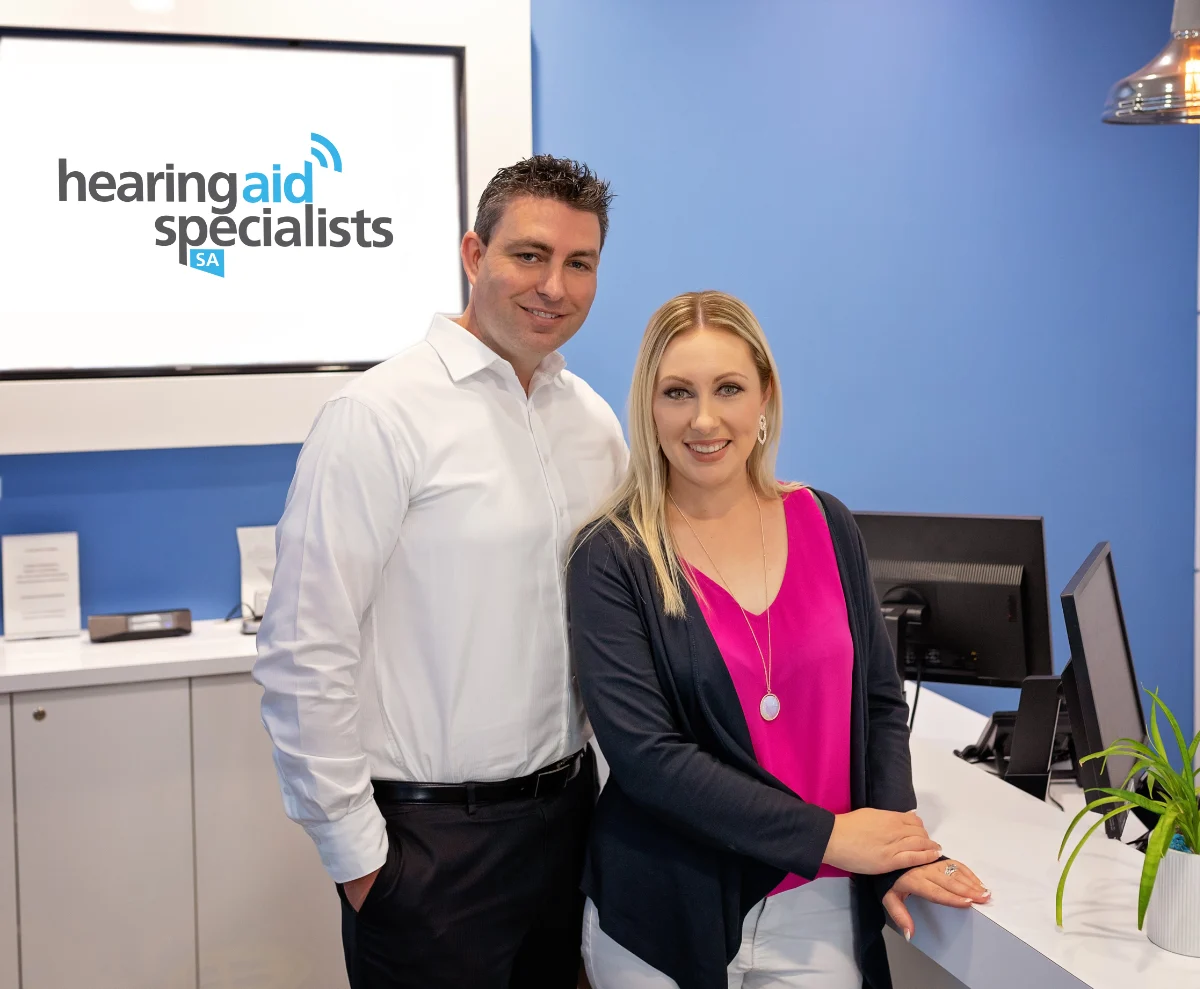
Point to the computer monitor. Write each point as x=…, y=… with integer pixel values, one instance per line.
x=964, y=595
x=1099, y=684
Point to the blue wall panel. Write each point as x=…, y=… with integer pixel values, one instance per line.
x=156, y=527
x=981, y=298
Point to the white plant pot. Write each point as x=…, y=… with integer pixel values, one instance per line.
x=1173, y=916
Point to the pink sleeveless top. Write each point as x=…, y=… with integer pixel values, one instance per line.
x=807, y=746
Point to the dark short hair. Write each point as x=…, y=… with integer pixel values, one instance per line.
x=545, y=177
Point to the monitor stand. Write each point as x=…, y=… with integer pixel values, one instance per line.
x=1031, y=753
x=904, y=609
x=1024, y=745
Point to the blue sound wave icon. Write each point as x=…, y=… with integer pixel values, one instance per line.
x=328, y=146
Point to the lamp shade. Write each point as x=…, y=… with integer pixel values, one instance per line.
x=1167, y=90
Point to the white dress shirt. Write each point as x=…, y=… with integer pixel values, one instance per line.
x=416, y=628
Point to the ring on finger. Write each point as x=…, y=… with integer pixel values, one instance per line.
x=951, y=868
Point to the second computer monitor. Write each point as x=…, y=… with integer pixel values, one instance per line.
x=979, y=584
x=1100, y=686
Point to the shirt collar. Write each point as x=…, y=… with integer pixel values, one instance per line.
x=464, y=354
x=552, y=366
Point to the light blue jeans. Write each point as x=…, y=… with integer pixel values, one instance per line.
x=801, y=938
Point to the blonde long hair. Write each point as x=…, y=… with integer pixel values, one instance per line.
x=638, y=508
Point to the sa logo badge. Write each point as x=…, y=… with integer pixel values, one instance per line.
x=209, y=259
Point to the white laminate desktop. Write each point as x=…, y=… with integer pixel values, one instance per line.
x=212, y=648
x=1011, y=841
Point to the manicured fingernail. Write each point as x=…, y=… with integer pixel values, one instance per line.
x=907, y=934
x=966, y=901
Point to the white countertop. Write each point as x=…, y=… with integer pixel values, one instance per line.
x=212, y=648
x=1011, y=841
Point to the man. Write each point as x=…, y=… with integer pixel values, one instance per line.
x=428, y=731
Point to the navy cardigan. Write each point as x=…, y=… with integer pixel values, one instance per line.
x=690, y=831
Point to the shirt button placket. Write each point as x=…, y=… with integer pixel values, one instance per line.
x=542, y=444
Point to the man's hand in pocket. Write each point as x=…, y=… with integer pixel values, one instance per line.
x=356, y=890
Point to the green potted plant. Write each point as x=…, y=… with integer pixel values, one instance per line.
x=1172, y=869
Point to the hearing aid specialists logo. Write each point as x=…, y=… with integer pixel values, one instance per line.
x=191, y=234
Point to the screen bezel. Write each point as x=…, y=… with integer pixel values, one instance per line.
x=457, y=52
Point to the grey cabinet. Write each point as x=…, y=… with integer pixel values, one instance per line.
x=8, y=852
x=143, y=845
x=104, y=837
x=267, y=913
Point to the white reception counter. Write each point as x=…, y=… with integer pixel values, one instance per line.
x=1009, y=838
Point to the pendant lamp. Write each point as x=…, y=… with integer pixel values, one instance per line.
x=1167, y=91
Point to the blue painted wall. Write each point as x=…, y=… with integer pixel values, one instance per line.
x=156, y=527
x=981, y=298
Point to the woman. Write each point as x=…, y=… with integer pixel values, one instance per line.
x=739, y=679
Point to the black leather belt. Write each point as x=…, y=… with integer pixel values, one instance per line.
x=543, y=783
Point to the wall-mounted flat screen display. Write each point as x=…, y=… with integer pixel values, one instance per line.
x=176, y=205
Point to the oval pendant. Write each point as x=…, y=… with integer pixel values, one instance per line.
x=768, y=707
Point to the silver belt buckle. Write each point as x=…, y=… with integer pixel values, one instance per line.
x=563, y=765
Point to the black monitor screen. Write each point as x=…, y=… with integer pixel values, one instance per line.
x=1101, y=682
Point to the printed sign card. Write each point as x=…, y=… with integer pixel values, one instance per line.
x=256, y=544
x=41, y=585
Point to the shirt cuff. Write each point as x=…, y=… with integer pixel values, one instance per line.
x=353, y=846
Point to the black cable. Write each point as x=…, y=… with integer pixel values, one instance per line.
x=912, y=715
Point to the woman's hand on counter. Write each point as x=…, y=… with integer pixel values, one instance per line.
x=959, y=887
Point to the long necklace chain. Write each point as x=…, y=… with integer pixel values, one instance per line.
x=767, y=659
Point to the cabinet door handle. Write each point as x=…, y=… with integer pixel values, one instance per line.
x=39, y=714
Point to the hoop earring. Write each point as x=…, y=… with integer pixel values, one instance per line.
x=762, y=430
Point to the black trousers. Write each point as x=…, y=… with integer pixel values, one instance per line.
x=483, y=897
